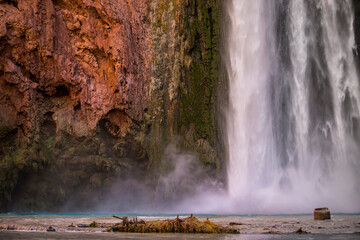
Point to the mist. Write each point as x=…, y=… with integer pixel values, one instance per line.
x=292, y=123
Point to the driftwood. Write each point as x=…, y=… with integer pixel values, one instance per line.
x=127, y=222
x=117, y=217
x=187, y=225
x=92, y=225
x=235, y=223
x=300, y=231
x=322, y=213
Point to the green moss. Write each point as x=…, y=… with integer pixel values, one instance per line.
x=19, y=161
x=184, y=79
x=197, y=103
x=50, y=142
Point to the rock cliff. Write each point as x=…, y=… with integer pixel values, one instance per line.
x=93, y=91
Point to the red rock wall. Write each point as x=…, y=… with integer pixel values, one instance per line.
x=73, y=77
x=90, y=98
x=75, y=60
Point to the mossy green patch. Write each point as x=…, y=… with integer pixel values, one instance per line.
x=201, y=77
x=19, y=161
x=93, y=224
x=184, y=79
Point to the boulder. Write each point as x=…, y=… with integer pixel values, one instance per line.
x=321, y=214
x=51, y=229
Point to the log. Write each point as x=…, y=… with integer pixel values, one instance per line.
x=322, y=213
x=235, y=223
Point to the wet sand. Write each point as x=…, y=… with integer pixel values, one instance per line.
x=341, y=226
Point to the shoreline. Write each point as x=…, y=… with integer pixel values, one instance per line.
x=289, y=224
x=172, y=233
x=12, y=235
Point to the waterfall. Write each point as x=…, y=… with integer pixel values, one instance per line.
x=294, y=117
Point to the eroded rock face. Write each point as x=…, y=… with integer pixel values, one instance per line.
x=71, y=71
x=76, y=59
x=91, y=91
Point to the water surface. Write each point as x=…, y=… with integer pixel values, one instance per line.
x=33, y=226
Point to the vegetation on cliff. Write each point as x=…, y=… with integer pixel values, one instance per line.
x=184, y=79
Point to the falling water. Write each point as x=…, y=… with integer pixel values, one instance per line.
x=293, y=120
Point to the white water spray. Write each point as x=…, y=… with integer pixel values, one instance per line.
x=293, y=120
